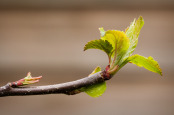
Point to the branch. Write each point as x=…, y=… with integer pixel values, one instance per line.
x=69, y=88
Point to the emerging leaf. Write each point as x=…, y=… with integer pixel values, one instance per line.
x=120, y=44
x=132, y=32
x=148, y=63
x=97, y=69
x=30, y=80
x=102, y=32
x=101, y=45
x=97, y=89
x=26, y=81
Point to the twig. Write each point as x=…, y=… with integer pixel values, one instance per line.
x=69, y=88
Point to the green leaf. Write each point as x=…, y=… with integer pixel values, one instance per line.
x=120, y=44
x=148, y=63
x=132, y=33
x=100, y=44
x=95, y=90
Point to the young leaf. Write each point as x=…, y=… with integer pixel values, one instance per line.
x=148, y=63
x=101, y=45
x=132, y=33
x=97, y=89
x=120, y=43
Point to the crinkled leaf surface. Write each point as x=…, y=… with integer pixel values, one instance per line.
x=119, y=41
x=95, y=90
x=101, y=45
x=148, y=63
x=132, y=32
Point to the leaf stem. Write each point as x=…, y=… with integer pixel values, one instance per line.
x=109, y=57
x=113, y=71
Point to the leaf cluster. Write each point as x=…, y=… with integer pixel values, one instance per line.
x=119, y=46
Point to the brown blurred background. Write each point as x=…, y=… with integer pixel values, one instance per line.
x=46, y=37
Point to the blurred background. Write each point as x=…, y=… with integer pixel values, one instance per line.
x=46, y=37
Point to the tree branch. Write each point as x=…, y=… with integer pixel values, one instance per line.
x=69, y=88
